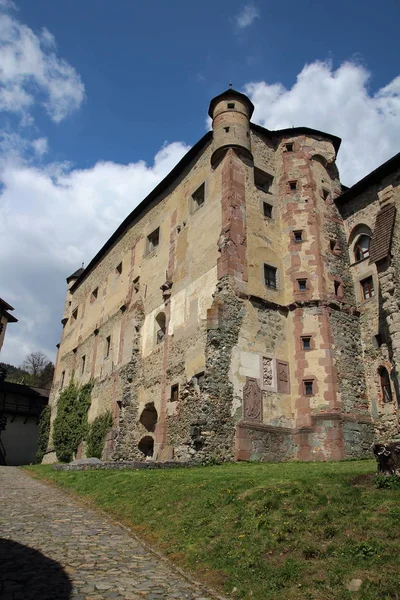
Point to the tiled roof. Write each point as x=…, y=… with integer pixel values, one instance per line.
x=382, y=236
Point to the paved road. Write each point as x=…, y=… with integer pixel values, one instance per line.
x=53, y=548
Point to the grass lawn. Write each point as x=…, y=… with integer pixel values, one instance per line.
x=281, y=531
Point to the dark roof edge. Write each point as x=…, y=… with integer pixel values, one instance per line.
x=159, y=189
x=233, y=94
x=10, y=318
x=374, y=177
x=5, y=304
x=336, y=141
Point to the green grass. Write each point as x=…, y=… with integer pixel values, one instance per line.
x=281, y=531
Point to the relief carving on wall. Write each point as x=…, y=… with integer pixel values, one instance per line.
x=267, y=372
x=252, y=400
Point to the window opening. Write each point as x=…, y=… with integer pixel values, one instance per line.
x=149, y=417
x=118, y=268
x=160, y=320
x=267, y=210
x=308, y=388
x=199, y=379
x=298, y=236
x=136, y=284
x=293, y=185
x=146, y=446
x=108, y=346
x=302, y=284
x=83, y=362
x=262, y=180
x=175, y=392
x=75, y=314
x=385, y=385
x=325, y=194
x=153, y=239
x=362, y=247
x=198, y=198
x=95, y=293
x=367, y=288
x=306, y=343
x=62, y=380
x=337, y=287
x=226, y=129
x=332, y=244
x=270, y=276
x=231, y=105
x=289, y=147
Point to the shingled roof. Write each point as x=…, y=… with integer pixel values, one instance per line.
x=382, y=236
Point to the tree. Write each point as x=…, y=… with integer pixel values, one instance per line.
x=35, y=362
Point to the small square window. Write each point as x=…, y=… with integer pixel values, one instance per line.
x=198, y=198
x=306, y=343
x=175, y=392
x=199, y=379
x=289, y=147
x=153, y=239
x=75, y=314
x=83, y=363
x=108, y=347
x=293, y=185
x=367, y=288
x=226, y=129
x=262, y=180
x=267, y=208
x=231, y=105
x=325, y=194
x=308, y=388
x=270, y=277
x=302, y=284
x=298, y=236
x=94, y=295
x=118, y=269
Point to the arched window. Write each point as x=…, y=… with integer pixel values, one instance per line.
x=385, y=384
x=361, y=247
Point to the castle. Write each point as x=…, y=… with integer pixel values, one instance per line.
x=248, y=308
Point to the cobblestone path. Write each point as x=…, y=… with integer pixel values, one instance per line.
x=53, y=548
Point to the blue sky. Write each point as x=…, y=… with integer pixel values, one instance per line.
x=99, y=99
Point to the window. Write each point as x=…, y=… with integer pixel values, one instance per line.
x=325, y=194
x=108, y=347
x=161, y=327
x=136, y=285
x=231, y=105
x=226, y=129
x=198, y=198
x=367, y=288
x=175, y=392
x=75, y=314
x=302, y=283
x=298, y=236
x=262, y=180
x=267, y=209
x=62, y=380
x=332, y=244
x=293, y=185
x=153, y=239
x=199, y=379
x=94, y=295
x=118, y=269
x=289, y=147
x=306, y=342
x=385, y=385
x=270, y=277
x=338, y=288
x=308, y=388
x=83, y=362
x=361, y=248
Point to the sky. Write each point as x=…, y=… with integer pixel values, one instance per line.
x=99, y=99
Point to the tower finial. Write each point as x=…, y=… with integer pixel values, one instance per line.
x=230, y=85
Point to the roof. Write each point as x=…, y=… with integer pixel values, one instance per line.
x=10, y=318
x=24, y=390
x=371, y=179
x=75, y=275
x=4, y=304
x=177, y=171
x=382, y=236
x=230, y=93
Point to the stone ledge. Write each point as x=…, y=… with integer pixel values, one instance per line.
x=115, y=466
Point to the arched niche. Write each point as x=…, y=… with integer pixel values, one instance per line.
x=146, y=446
x=149, y=417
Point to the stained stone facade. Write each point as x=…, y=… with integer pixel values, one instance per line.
x=248, y=308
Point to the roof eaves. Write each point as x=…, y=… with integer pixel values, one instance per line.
x=277, y=133
x=157, y=191
x=374, y=177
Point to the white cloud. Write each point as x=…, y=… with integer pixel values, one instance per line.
x=247, y=16
x=338, y=102
x=31, y=72
x=51, y=220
